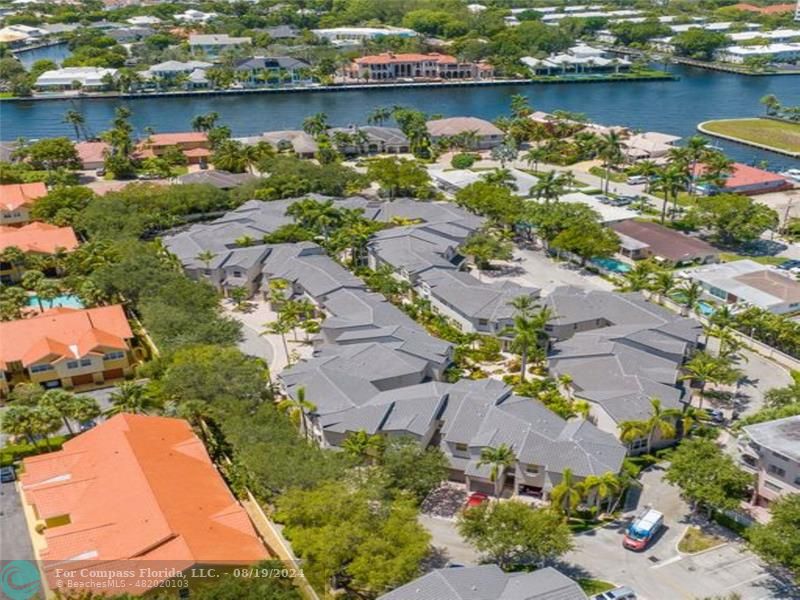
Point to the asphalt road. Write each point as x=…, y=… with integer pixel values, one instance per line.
x=15, y=543
x=661, y=572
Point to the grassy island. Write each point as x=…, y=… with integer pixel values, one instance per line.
x=772, y=134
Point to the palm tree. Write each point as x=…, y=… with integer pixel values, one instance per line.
x=567, y=494
x=524, y=336
x=549, y=186
x=534, y=156
x=74, y=118
x=205, y=122
x=363, y=446
x=524, y=305
x=45, y=421
x=646, y=168
x=691, y=293
x=281, y=327
x=772, y=105
x=379, y=115
x=610, y=151
x=690, y=417
x=297, y=409
x=206, y=256
x=670, y=182
x=48, y=290
x=696, y=150
x=639, y=278
x=315, y=125
x=661, y=421
x=663, y=284
x=499, y=459
x=703, y=369
x=17, y=420
x=602, y=486
x=62, y=402
x=131, y=397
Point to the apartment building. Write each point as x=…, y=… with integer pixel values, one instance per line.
x=17, y=199
x=34, y=238
x=771, y=450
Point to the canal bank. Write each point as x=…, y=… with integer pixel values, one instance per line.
x=673, y=107
x=759, y=127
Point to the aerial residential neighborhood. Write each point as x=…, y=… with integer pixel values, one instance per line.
x=408, y=300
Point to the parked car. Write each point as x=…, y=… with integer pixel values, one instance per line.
x=643, y=530
x=7, y=474
x=793, y=266
x=715, y=416
x=87, y=425
x=619, y=593
x=475, y=499
x=603, y=199
x=622, y=201
x=637, y=180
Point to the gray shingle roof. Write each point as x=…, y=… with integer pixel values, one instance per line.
x=271, y=62
x=488, y=582
x=219, y=179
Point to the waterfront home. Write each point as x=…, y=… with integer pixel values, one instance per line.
x=143, y=20
x=297, y=140
x=744, y=283
x=172, y=69
x=452, y=180
x=580, y=58
x=646, y=239
x=17, y=199
x=389, y=66
x=369, y=139
x=92, y=154
x=353, y=36
x=261, y=70
x=619, y=351
x=771, y=451
x=487, y=134
x=222, y=180
x=775, y=52
x=133, y=490
x=195, y=16
x=747, y=180
x=648, y=145
x=212, y=44
x=70, y=78
x=472, y=305
x=66, y=347
x=34, y=238
x=489, y=582
x=128, y=35
x=775, y=35
x=194, y=145
x=608, y=214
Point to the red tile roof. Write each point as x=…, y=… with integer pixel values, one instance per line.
x=765, y=10
x=137, y=489
x=174, y=139
x=42, y=238
x=390, y=57
x=63, y=333
x=16, y=195
x=745, y=175
x=90, y=152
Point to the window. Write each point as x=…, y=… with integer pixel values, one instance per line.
x=237, y=273
x=797, y=480
x=462, y=447
x=483, y=322
x=116, y=355
x=73, y=364
x=773, y=470
x=86, y=362
x=780, y=456
x=531, y=470
x=771, y=486
x=41, y=368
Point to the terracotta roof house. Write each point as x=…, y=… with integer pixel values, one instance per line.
x=66, y=347
x=488, y=135
x=645, y=239
x=16, y=200
x=134, y=490
x=194, y=145
x=775, y=9
x=391, y=66
x=35, y=238
x=751, y=181
x=91, y=154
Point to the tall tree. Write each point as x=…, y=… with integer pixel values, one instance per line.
x=498, y=460
x=661, y=422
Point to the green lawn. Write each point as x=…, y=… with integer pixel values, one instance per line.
x=696, y=540
x=777, y=134
x=591, y=587
x=601, y=172
x=764, y=260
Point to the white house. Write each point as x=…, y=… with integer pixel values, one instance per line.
x=68, y=77
x=349, y=36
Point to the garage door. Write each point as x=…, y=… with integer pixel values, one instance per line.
x=82, y=379
x=486, y=487
x=113, y=374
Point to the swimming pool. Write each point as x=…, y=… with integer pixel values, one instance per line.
x=611, y=264
x=705, y=309
x=63, y=301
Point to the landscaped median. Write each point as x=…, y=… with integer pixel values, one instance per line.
x=770, y=134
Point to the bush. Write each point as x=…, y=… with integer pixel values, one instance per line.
x=463, y=160
x=12, y=453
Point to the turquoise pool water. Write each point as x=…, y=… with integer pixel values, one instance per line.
x=64, y=301
x=611, y=264
x=705, y=309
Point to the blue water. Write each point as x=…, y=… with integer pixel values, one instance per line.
x=705, y=309
x=64, y=301
x=57, y=53
x=611, y=264
x=674, y=107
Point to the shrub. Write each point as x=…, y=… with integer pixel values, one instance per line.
x=463, y=160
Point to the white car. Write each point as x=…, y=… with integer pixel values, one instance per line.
x=637, y=180
x=619, y=593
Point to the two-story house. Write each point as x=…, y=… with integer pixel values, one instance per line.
x=66, y=347
x=771, y=450
x=16, y=201
x=34, y=238
x=261, y=70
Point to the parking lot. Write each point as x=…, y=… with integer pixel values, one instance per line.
x=661, y=571
x=15, y=543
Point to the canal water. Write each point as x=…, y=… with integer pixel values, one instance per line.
x=674, y=107
x=55, y=52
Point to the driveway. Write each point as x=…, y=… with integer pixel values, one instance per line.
x=534, y=268
x=661, y=571
x=15, y=543
x=450, y=546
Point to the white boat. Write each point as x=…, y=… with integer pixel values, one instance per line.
x=793, y=174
